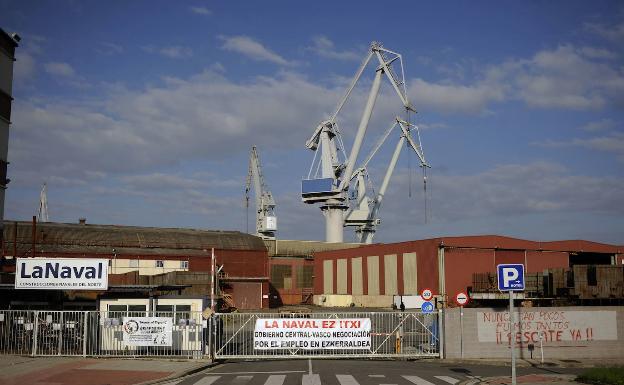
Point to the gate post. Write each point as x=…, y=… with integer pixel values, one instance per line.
x=84, y=333
x=441, y=332
x=35, y=333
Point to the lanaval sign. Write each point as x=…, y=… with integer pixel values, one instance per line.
x=61, y=273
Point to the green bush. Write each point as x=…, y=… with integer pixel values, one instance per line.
x=603, y=376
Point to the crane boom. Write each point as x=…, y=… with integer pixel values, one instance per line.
x=266, y=221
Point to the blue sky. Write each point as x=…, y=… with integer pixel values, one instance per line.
x=143, y=113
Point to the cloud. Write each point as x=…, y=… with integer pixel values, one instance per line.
x=60, y=69
x=206, y=116
x=201, y=11
x=610, y=32
x=600, y=125
x=611, y=143
x=109, y=48
x=173, y=52
x=455, y=98
x=253, y=49
x=324, y=47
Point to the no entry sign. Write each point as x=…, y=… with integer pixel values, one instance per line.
x=462, y=299
x=426, y=294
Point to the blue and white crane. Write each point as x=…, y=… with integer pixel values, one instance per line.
x=332, y=173
x=266, y=221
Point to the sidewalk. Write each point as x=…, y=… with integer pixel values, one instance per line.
x=22, y=370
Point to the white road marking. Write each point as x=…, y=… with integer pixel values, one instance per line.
x=346, y=379
x=278, y=372
x=448, y=379
x=417, y=380
x=310, y=379
x=377, y=375
x=207, y=380
x=275, y=380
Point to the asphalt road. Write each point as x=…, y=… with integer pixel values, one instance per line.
x=354, y=372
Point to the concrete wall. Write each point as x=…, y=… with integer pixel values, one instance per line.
x=567, y=332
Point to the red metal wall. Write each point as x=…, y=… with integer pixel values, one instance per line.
x=426, y=256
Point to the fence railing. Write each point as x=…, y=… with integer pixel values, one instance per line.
x=391, y=334
x=235, y=335
x=94, y=333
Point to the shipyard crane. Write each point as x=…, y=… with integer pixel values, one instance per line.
x=266, y=222
x=43, y=204
x=331, y=174
x=365, y=216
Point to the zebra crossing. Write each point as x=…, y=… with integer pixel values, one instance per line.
x=304, y=379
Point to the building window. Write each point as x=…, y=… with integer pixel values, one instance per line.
x=178, y=311
x=160, y=263
x=134, y=263
x=184, y=264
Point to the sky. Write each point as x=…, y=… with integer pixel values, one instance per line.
x=143, y=113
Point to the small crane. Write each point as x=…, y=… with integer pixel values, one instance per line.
x=43, y=204
x=266, y=221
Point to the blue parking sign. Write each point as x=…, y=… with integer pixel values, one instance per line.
x=510, y=277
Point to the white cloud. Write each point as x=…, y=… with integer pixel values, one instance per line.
x=106, y=48
x=201, y=11
x=613, y=32
x=611, y=143
x=173, y=52
x=324, y=47
x=253, y=49
x=60, y=69
x=454, y=98
x=600, y=125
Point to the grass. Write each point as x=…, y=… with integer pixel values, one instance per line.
x=603, y=376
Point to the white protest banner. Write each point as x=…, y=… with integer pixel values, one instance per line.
x=305, y=333
x=147, y=331
x=61, y=273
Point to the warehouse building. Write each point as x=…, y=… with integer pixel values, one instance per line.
x=375, y=275
x=143, y=262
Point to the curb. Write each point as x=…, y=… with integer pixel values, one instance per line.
x=181, y=374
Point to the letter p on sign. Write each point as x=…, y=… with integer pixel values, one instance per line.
x=510, y=277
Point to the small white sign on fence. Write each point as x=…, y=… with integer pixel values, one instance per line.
x=312, y=334
x=147, y=331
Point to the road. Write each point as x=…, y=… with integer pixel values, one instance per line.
x=354, y=372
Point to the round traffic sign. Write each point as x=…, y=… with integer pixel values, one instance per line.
x=426, y=294
x=426, y=307
x=462, y=299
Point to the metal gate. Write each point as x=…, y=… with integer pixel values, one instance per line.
x=94, y=333
x=392, y=334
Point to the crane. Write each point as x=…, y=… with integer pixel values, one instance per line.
x=266, y=221
x=332, y=173
x=364, y=216
x=43, y=204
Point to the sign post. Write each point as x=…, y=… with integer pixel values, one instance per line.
x=462, y=299
x=510, y=278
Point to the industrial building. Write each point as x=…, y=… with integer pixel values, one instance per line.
x=143, y=262
x=373, y=275
x=8, y=43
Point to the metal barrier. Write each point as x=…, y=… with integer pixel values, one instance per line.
x=391, y=334
x=94, y=333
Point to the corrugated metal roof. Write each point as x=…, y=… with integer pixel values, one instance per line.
x=72, y=238
x=295, y=248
